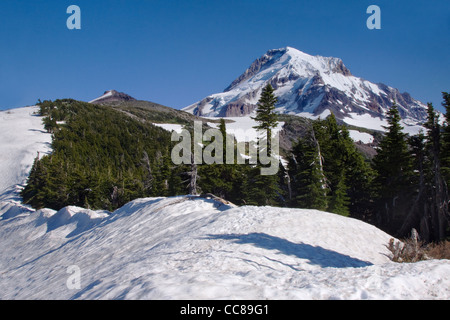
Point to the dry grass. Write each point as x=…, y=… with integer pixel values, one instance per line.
x=439, y=250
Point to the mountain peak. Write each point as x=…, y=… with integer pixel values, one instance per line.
x=293, y=61
x=307, y=85
x=112, y=95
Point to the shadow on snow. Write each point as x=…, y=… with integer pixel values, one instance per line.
x=315, y=254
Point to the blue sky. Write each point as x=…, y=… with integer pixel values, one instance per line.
x=177, y=52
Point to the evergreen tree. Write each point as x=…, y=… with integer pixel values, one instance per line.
x=418, y=214
x=218, y=179
x=36, y=182
x=264, y=189
x=335, y=149
x=439, y=192
x=265, y=114
x=359, y=180
x=308, y=182
x=393, y=167
x=429, y=211
x=445, y=152
x=328, y=173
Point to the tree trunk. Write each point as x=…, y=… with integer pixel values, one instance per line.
x=193, y=177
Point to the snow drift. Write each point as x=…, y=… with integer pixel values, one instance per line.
x=193, y=248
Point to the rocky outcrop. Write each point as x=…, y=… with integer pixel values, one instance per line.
x=112, y=96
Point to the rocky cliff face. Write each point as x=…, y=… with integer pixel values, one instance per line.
x=307, y=85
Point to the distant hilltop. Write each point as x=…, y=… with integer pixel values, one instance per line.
x=111, y=96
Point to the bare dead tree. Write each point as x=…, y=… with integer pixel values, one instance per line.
x=193, y=174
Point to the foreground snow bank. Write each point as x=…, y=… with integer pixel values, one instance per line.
x=194, y=248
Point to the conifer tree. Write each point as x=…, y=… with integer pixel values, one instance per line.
x=218, y=178
x=418, y=214
x=439, y=192
x=264, y=189
x=307, y=179
x=335, y=148
x=445, y=152
x=32, y=193
x=265, y=114
x=393, y=166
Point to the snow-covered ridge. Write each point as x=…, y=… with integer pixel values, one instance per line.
x=194, y=248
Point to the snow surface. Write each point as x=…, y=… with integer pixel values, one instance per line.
x=108, y=93
x=22, y=137
x=188, y=247
x=360, y=136
x=192, y=248
x=242, y=128
x=369, y=122
x=170, y=127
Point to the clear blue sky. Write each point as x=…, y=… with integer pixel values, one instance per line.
x=177, y=52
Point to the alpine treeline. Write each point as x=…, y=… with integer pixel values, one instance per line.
x=102, y=159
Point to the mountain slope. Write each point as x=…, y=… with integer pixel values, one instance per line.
x=148, y=111
x=193, y=248
x=21, y=139
x=310, y=86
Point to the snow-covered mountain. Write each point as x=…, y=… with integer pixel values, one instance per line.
x=311, y=86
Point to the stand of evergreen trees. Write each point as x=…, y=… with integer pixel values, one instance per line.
x=403, y=187
x=102, y=159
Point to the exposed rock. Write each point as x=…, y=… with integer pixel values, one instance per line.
x=112, y=96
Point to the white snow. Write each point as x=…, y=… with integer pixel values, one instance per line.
x=366, y=121
x=192, y=248
x=170, y=127
x=108, y=93
x=242, y=128
x=369, y=122
x=360, y=136
x=22, y=137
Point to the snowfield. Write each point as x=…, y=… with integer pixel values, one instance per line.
x=22, y=137
x=193, y=248
x=189, y=247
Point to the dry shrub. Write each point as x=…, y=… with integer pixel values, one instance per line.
x=413, y=250
x=439, y=250
x=408, y=250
